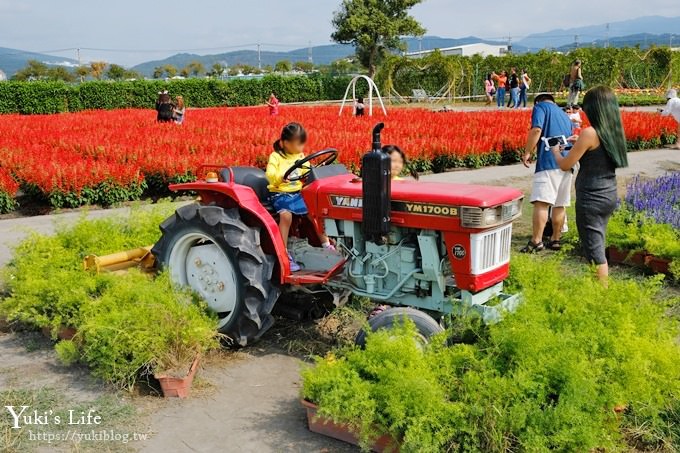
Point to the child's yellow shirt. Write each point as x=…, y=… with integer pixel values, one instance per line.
x=278, y=165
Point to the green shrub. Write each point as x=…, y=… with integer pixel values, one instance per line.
x=45, y=278
x=7, y=202
x=550, y=377
x=143, y=324
x=67, y=351
x=125, y=323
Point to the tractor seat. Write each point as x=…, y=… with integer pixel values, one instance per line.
x=252, y=177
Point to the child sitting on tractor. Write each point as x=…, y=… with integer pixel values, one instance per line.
x=399, y=162
x=285, y=195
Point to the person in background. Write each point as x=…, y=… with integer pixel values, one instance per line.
x=551, y=186
x=575, y=83
x=576, y=119
x=600, y=150
x=673, y=109
x=359, y=107
x=164, y=107
x=489, y=89
x=513, y=83
x=399, y=162
x=502, y=80
x=285, y=195
x=524, y=84
x=273, y=104
x=179, y=110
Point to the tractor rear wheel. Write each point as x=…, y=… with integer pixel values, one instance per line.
x=210, y=250
x=425, y=324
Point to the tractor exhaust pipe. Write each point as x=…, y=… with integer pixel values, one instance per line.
x=376, y=170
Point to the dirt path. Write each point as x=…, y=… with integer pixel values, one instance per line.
x=251, y=402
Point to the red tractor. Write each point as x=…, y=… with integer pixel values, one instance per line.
x=425, y=249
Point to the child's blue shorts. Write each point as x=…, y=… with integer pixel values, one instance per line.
x=291, y=202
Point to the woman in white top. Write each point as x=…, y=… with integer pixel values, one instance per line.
x=524, y=84
x=673, y=109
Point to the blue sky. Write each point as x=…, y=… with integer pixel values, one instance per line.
x=143, y=30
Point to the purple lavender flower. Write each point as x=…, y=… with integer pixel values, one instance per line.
x=658, y=199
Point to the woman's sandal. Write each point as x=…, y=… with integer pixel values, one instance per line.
x=531, y=247
x=555, y=245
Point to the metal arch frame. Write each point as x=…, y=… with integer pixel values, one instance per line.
x=371, y=86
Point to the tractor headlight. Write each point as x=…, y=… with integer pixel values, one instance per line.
x=490, y=216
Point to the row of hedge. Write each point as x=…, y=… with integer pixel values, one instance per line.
x=40, y=97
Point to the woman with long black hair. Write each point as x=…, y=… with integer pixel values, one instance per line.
x=600, y=150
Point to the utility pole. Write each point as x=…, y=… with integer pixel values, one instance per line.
x=79, y=63
x=420, y=44
x=310, y=57
x=576, y=41
x=509, y=44
x=606, y=43
x=259, y=57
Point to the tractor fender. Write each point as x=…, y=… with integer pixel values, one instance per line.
x=236, y=195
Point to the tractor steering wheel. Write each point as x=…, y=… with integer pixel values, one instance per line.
x=303, y=164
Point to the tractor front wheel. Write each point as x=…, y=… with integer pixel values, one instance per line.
x=425, y=324
x=212, y=251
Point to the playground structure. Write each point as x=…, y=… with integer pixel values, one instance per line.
x=371, y=87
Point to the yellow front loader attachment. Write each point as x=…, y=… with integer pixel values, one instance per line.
x=141, y=258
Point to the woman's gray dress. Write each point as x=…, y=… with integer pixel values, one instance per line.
x=596, y=200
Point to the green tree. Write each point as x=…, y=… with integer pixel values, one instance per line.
x=82, y=72
x=97, y=69
x=158, y=72
x=217, y=70
x=185, y=71
x=283, y=66
x=131, y=74
x=375, y=27
x=34, y=70
x=169, y=70
x=116, y=72
x=304, y=66
x=196, y=68
x=60, y=73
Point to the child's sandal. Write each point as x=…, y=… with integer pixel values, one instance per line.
x=532, y=247
x=555, y=245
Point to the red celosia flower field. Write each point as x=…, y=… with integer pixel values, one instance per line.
x=109, y=156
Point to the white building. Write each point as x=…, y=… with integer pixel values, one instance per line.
x=466, y=50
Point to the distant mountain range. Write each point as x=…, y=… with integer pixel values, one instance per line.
x=643, y=31
x=320, y=54
x=11, y=60
x=657, y=25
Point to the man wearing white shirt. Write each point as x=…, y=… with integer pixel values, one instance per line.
x=673, y=109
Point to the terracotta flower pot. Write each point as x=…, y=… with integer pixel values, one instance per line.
x=64, y=332
x=322, y=425
x=619, y=256
x=616, y=255
x=658, y=265
x=178, y=387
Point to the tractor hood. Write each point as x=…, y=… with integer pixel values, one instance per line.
x=346, y=191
